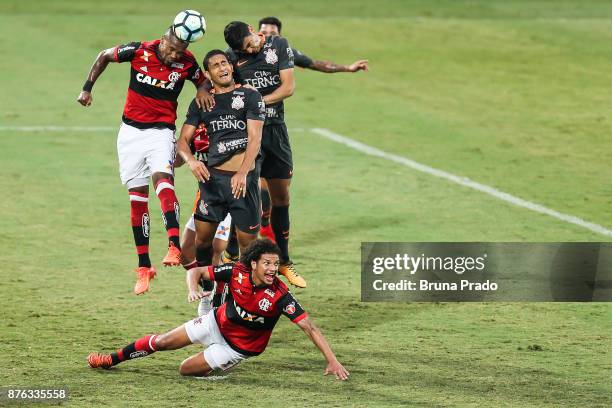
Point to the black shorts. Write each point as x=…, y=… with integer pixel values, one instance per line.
x=275, y=160
x=216, y=200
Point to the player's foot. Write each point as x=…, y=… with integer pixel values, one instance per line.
x=97, y=360
x=173, y=257
x=229, y=258
x=266, y=232
x=144, y=276
x=288, y=270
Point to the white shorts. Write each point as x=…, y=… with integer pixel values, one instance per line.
x=143, y=152
x=223, y=230
x=219, y=355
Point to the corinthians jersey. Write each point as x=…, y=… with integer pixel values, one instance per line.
x=154, y=87
x=226, y=124
x=262, y=71
x=247, y=318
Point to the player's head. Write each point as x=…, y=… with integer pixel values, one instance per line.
x=262, y=255
x=270, y=26
x=217, y=68
x=171, y=48
x=241, y=38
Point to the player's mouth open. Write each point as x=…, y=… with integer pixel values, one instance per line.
x=223, y=74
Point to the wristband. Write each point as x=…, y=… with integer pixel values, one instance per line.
x=88, y=86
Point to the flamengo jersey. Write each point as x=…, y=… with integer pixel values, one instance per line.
x=154, y=87
x=248, y=316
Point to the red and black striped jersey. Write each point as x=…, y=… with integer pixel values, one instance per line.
x=247, y=318
x=154, y=87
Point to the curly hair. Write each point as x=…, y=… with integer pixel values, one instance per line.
x=256, y=249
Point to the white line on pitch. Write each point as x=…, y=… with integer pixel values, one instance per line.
x=464, y=181
x=58, y=128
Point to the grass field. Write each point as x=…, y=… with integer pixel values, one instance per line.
x=513, y=94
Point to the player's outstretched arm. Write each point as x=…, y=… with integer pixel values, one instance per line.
x=193, y=282
x=99, y=65
x=331, y=67
x=333, y=365
x=285, y=90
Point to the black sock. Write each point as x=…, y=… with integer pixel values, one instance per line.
x=265, y=208
x=232, y=243
x=280, y=226
x=204, y=258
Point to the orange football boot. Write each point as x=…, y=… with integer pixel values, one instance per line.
x=173, y=257
x=288, y=270
x=97, y=360
x=144, y=277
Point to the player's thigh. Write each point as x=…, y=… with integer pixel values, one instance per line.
x=279, y=191
x=160, y=148
x=131, y=155
x=196, y=366
x=205, y=233
x=174, y=339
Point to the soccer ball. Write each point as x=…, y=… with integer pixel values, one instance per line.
x=189, y=25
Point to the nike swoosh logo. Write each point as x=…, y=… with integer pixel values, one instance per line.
x=239, y=63
x=252, y=227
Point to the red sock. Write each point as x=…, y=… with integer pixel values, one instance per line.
x=139, y=205
x=140, y=348
x=164, y=189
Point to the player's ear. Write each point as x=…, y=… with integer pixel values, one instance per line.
x=207, y=75
x=253, y=265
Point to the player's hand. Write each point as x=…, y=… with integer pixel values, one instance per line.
x=361, y=65
x=338, y=370
x=199, y=170
x=205, y=100
x=195, y=295
x=238, y=183
x=85, y=98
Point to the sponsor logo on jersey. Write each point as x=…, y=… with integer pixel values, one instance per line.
x=174, y=76
x=271, y=113
x=227, y=122
x=263, y=79
x=289, y=52
x=290, y=308
x=250, y=317
x=271, y=57
x=145, y=225
x=126, y=48
x=264, y=304
x=230, y=145
x=177, y=65
x=145, y=55
x=269, y=292
x=237, y=102
x=145, y=79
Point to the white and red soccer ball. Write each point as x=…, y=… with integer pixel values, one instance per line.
x=189, y=25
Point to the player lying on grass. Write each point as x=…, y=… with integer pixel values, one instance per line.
x=241, y=327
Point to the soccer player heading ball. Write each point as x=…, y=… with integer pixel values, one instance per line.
x=241, y=327
x=146, y=143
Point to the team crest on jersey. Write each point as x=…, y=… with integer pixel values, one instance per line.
x=203, y=207
x=237, y=102
x=271, y=57
x=174, y=76
x=269, y=292
x=221, y=147
x=264, y=304
x=145, y=225
x=290, y=308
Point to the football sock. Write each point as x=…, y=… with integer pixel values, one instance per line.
x=164, y=189
x=204, y=258
x=265, y=208
x=139, y=206
x=280, y=226
x=140, y=348
x=232, y=243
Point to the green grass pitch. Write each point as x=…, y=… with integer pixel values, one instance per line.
x=513, y=94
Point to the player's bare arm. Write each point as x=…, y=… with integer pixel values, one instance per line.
x=198, y=169
x=285, y=90
x=194, y=275
x=238, y=182
x=332, y=67
x=99, y=65
x=333, y=365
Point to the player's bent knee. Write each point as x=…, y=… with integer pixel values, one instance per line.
x=195, y=366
